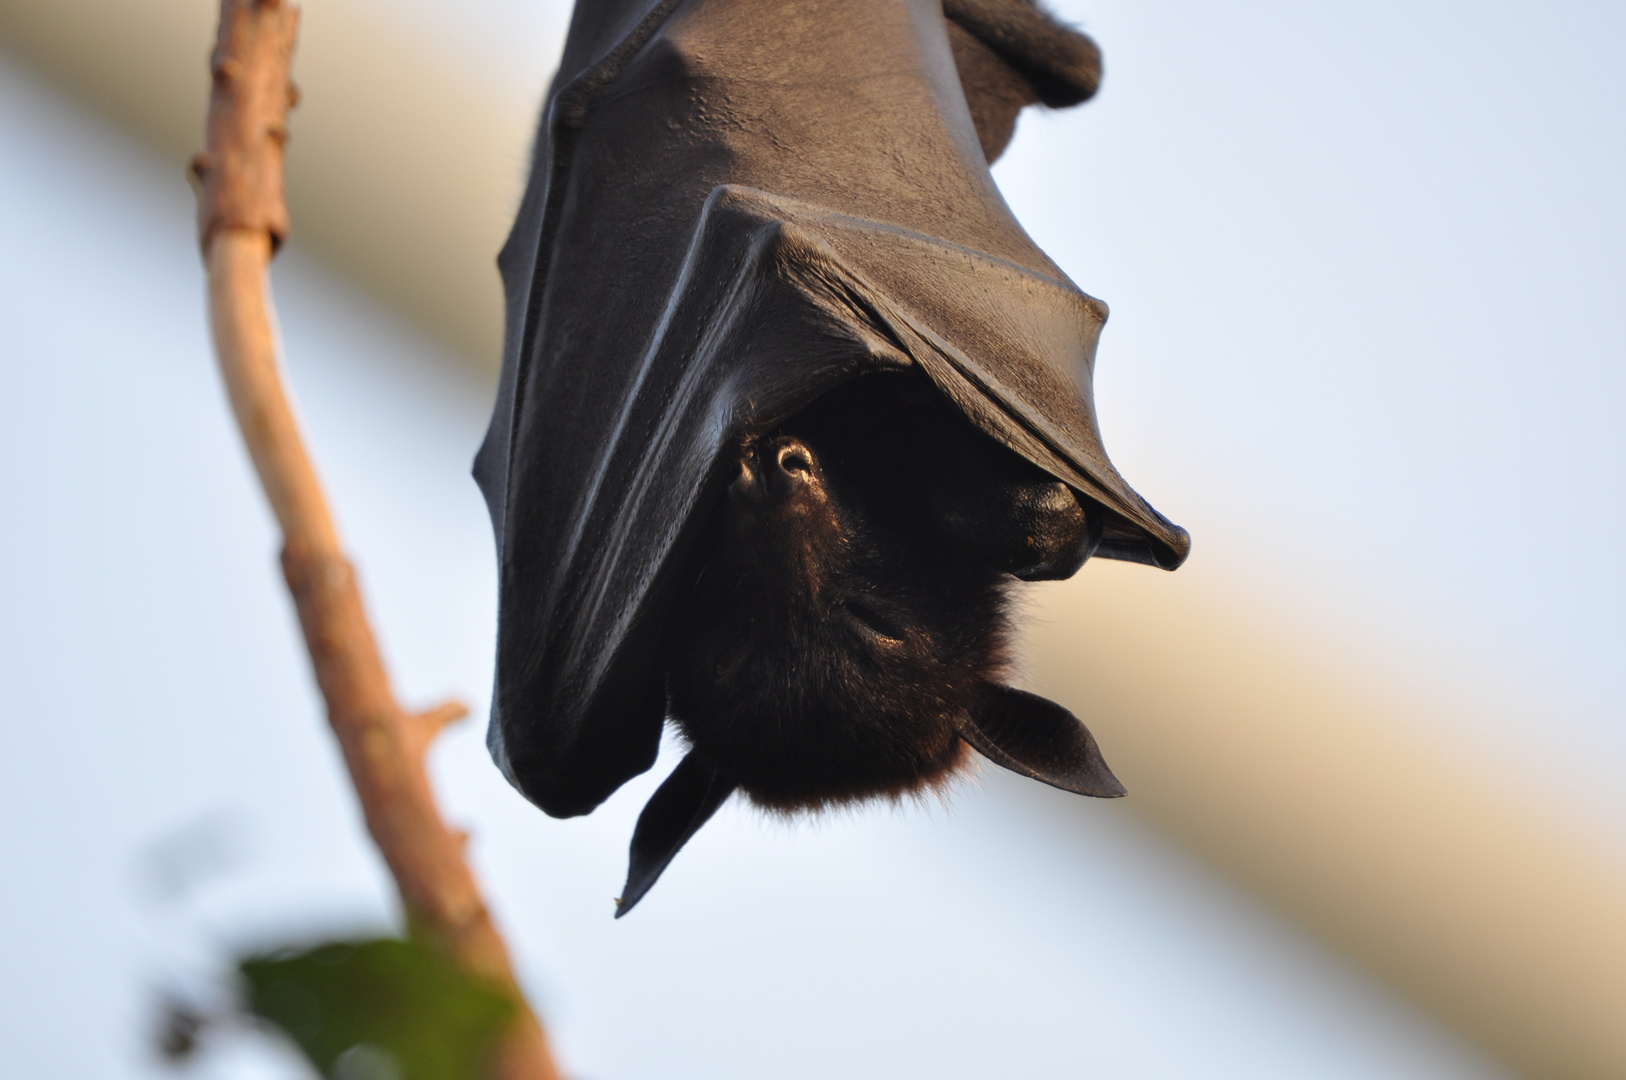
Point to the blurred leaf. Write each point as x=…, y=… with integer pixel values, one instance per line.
x=379, y=1009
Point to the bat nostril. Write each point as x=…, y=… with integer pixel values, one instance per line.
x=795, y=460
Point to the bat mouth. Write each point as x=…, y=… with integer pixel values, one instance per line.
x=731, y=655
x=870, y=623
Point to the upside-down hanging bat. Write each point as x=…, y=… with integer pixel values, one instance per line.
x=789, y=401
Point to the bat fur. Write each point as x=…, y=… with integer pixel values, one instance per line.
x=849, y=605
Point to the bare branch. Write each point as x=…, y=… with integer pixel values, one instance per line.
x=242, y=219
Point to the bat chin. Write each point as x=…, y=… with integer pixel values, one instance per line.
x=790, y=763
x=921, y=783
x=829, y=718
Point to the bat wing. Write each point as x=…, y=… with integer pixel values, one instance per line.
x=1034, y=736
x=1011, y=54
x=722, y=225
x=684, y=802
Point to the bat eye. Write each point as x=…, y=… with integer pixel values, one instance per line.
x=871, y=624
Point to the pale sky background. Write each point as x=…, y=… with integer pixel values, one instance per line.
x=1366, y=268
x=1366, y=343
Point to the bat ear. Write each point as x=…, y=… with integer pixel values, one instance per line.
x=1028, y=734
x=683, y=803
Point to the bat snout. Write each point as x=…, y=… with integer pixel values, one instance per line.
x=779, y=473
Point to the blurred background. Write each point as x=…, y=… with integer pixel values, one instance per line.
x=1365, y=268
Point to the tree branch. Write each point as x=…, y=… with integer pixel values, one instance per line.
x=243, y=218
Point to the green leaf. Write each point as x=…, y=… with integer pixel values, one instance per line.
x=379, y=1009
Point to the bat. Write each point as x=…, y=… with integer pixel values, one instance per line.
x=789, y=404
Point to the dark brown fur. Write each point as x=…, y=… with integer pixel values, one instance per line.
x=847, y=607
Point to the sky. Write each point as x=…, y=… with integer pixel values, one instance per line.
x=1364, y=269
x=174, y=797
x=1365, y=274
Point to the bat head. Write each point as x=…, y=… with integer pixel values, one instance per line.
x=845, y=616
